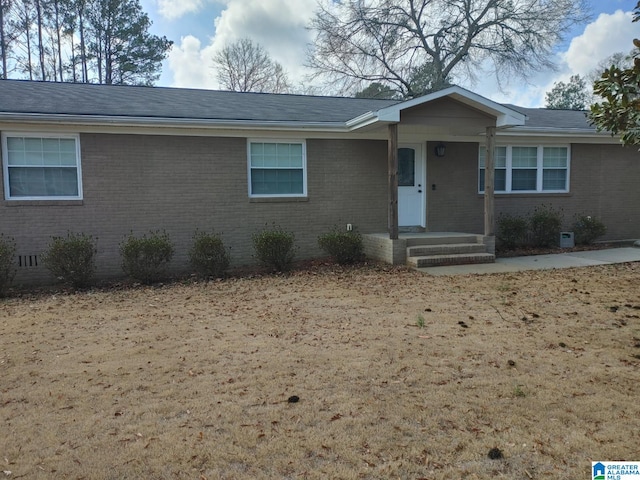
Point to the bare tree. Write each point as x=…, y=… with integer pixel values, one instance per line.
x=392, y=41
x=245, y=66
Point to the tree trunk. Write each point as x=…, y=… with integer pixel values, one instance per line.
x=83, y=47
x=3, y=42
x=99, y=54
x=74, y=74
x=56, y=7
x=40, y=42
x=108, y=57
x=27, y=23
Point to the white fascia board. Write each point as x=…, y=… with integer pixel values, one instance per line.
x=187, y=123
x=508, y=119
x=370, y=118
x=505, y=117
x=549, y=131
x=362, y=120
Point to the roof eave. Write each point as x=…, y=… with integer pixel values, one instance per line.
x=121, y=121
x=563, y=132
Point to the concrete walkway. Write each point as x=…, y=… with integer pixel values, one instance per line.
x=543, y=262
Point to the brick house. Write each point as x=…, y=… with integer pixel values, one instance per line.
x=110, y=160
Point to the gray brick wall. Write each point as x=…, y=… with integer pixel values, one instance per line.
x=604, y=182
x=454, y=206
x=135, y=183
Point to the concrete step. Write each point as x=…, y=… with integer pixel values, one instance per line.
x=453, y=259
x=445, y=249
x=441, y=240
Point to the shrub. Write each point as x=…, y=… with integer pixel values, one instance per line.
x=207, y=256
x=511, y=231
x=7, y=262
x=275, y=248
x=71, y=259
x=545, y=224
x=146, y=258
x=344, y=247
x=586, y=229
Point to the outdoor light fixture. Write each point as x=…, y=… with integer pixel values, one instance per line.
x=440, y=150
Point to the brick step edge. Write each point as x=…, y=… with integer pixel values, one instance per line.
x=446, y=249
x=455, y=259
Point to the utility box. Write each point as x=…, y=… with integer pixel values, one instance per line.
x=566, y=240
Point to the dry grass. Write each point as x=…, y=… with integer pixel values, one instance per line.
x=192, y=381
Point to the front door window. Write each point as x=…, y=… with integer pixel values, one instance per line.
x=406, y=167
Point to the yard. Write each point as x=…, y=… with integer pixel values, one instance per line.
x=397, y=375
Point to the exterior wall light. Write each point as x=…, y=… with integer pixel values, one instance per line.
x=440, y=150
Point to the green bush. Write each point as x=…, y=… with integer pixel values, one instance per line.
x=511, y=231
x=71, y=259
x=586, y=229
x=344, y=247
x=7, y=262
x=146, y=258
x=208, y=256
x=275, y=248
x=545, y=224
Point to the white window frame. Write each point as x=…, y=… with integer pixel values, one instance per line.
x=297, y=141
x=5, y=164
x=539, y=169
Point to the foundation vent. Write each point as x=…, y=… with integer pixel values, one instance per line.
x=28, y=261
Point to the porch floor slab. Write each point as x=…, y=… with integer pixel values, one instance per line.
x=542, y=262
x=423, y=234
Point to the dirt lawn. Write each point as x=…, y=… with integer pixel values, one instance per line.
x=397, y=375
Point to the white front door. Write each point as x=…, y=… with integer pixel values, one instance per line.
x=411, y=183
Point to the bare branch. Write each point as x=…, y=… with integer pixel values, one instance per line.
x=389, y=40
x=245, y=66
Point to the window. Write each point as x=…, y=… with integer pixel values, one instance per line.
x=39, y=167
x=500, y=176
x=277, y=169
x=527, y=169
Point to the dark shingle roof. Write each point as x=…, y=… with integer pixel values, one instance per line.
x=554, y=119
x=22, y=96
x=50, y=98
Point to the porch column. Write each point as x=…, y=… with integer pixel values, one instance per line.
x=489, y=174
x=393, y=181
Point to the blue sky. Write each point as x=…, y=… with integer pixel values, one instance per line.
x=199, y=28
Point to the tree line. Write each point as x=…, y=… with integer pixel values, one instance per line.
x=87, y=41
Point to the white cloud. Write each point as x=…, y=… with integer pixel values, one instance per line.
x=278, y=25
x=607, y=35
x=172, y=9
x=191, y=65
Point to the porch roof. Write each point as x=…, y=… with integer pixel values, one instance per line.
x=504, y=115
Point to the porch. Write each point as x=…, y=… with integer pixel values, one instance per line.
x=415, y=129
x=428, y=249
